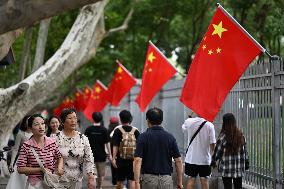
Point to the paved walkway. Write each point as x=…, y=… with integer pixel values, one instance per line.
x=106, y=185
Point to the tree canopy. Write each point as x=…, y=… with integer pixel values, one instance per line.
x=173, y=26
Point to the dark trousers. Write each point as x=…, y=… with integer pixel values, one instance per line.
x=227, y=181
x=113, y=174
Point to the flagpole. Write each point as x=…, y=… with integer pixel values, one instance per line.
x=236, y=22
x=99, y=82
x=126, y=70
x=183, y=75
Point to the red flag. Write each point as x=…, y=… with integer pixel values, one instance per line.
x=87, y=95
x=97, y=101
x=79, y=101
x=121, y=83
x=57, y=111
x=223, y=55
x=157, y=71
x=66, y=103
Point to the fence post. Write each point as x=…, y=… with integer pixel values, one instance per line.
x=275, y=95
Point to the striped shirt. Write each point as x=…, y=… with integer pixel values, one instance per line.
x=49, y=155
x=230, y=165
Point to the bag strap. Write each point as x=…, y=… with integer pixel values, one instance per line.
x=122, y=130
x=37, y=157
x=132, y=130
x=194, y=135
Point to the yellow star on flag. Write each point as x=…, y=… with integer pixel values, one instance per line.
x=203, y=47
x=218, y=50
x=210, y=52
x=97, y=89
x=218, y=29
x=119, y=70
x=151, y=57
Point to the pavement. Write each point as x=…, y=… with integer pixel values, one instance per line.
x=106, y=184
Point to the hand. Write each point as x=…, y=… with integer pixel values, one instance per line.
x=11, y=168
x=91, y=182
x=110, y=158
x=60, y=171
x=137, y=185
x=179, y=186
x=45, y=170
x=114, y=163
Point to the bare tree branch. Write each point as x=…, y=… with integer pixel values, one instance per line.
x=6, y=41
x=39, y=85
x=41, y=43
x=124, y=26
x=25, y=53
x=17, y=14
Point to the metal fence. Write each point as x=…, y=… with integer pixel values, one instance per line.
x=257, y=102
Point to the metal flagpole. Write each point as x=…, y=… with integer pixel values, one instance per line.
x=236, y=22
x=183, y=75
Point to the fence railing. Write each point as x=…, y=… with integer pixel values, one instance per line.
x=257, y=102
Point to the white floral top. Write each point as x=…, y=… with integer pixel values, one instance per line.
x=76, y=153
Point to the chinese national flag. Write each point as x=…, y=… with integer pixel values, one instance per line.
x=121, y=83
x=57, y=111
x=87, y=95
x=223, y=55
x=157, y=71
x=66, y=103
x=97, y=101
x=79, y=101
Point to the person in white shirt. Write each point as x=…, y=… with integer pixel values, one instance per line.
x=198, y=155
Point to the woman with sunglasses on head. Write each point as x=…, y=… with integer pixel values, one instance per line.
x=47, y=150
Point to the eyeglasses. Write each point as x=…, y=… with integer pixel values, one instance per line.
x=38, y=124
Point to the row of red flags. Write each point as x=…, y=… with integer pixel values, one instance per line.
x=223, y=55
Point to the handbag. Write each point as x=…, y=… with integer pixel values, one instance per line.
x=50, y=180
x=194, y=135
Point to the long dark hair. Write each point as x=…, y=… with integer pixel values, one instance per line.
x=24, y=123
x=233, y=135
x=49, y=130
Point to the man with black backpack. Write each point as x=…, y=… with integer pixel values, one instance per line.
x=124, y=145
x=201, y=143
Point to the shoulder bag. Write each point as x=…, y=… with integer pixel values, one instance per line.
x=194, y=135
x=50, y=180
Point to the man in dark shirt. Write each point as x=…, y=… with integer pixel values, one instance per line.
x=124, y=166
x=153, y=156
x=99, y=140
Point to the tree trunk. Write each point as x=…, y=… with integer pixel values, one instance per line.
x=25, y=53
x=41, y=42
x=16, y=14
x=21, y=98
x=6, y=41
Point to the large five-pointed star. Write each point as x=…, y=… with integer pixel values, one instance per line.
x=119, y=70
x=218, y=29
x=98, y=90
x=151, y=57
